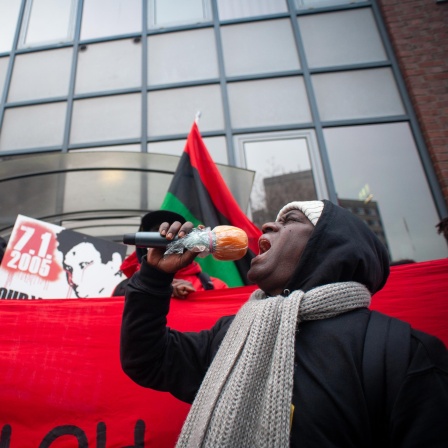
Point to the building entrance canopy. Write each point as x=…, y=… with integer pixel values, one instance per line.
x=102, y=194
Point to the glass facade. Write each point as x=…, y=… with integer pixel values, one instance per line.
x=259, y=47
x=387, y=169
x=105, y=18
x=194, y=52
x=109, y=66
x=43, y=74
x=47, y=22
x=341, y=38
x=43, y=123
x=306, y=95
x=9, y=13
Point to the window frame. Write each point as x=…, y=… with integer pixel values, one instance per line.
x=22, y=44
x=313, y=152
x=152, y=25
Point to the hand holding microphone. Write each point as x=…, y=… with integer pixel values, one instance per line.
x=223, y=242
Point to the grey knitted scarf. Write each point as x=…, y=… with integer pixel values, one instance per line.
x=245, y=398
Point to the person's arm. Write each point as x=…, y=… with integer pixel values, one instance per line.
x=420, y=414
x=153, y=355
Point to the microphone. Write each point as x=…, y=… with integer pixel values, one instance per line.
x=147, y=239
x=223, y=242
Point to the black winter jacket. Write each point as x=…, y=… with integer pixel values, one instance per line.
x=328, y=395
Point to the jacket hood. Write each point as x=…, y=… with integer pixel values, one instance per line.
x=341, y=248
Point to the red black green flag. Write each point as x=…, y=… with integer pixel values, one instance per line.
x=199, y=193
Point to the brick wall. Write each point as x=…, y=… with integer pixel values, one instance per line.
x=418, y=31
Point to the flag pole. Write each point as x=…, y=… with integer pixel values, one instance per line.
x=197, y=117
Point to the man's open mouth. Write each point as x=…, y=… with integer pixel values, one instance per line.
x=264, y=245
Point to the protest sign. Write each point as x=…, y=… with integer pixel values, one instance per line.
x=46, y=261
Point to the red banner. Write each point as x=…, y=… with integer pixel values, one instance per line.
x=61, y=379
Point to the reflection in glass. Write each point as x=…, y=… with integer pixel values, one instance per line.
x=259, y=47
x=101, y=18
x=48, y=21
x=236, y=9
x=111, y=228
x=106, y=118
x=357, y=94
x=34, y=196
x=103, y=189
x=339, y=38
x=173, y=111
x=176, y=12
x=379, y=164
x=9, y=13
x=109, y=66
x=181, y=57
x=283, y=174
x=268, y=102
x=33, y=126
x=44, y=74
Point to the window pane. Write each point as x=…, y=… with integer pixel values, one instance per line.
x=382, y=160
x=283, y=174
x=109, y=66
x=173, y=111
x=216, y=147
x=44, y=125
x=175, y=12
x=313, y=4
x=3, y=69
x=49, y=21
x=236, y=9
x=33, y=196
x=182, y=57
x=114, y=189
x=102, y=18
x=9, y=13
x=102, y=190
x=106, y=118
x=357, y=94
x=44, y=74
x=259, y=47
x=268, y=102
x=338, y=38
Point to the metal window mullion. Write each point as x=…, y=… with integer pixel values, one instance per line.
x=223, y=84
x=23, y=31
x=105, y=39
x=333, y=8
x=313, y=105
x=62, y=178
x=12, y=56
x=71, y=89
x=422, y=150
x=144, y=200
x=144, y=87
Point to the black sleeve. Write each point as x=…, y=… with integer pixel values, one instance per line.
x=420, y=414
x=154, y=355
